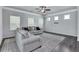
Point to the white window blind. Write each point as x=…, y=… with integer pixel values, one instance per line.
x=40, y=22
x=14, y=22
x=30, y=21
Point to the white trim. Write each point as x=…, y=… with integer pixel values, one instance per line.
x=21, y=11
x=73, y=10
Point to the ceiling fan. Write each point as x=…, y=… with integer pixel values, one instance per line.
x=42, y=9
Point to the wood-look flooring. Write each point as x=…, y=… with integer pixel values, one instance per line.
x=68, y=44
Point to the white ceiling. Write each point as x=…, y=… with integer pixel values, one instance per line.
x=53, y=8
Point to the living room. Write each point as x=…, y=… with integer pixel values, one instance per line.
x=50, y=26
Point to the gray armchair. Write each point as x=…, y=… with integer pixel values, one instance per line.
x=26, y=41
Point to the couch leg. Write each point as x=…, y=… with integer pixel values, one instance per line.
x=36, y=48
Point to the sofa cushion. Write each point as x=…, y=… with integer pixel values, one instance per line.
x=32, y=39
x=37, y=28
x=25, y=28
x=24, y=34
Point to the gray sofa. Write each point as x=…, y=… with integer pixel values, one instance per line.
x=26, y=41
x=34, y=30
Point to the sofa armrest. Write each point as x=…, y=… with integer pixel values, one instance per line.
x=31, y=39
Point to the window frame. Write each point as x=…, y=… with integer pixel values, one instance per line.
x=33, y=21
x=48, y=19
x=56, y=18
x=12, y=29
x=67, y=16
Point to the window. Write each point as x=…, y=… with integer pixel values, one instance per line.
x=30, y=21
x=56, y=18
x=14, y=22
x=48, y=19
x=40, y=22
x=67, y=16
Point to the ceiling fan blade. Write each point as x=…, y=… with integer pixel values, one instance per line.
x=42, y=9
x=42, y=6
x=48, y=9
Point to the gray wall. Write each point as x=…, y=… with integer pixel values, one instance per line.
x=6, y=21
x=68, y=27
x=0, y=25
x=78, y=24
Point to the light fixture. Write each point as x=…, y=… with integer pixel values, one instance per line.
x=43, y=9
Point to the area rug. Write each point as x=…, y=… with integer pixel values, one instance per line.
x=49, y=42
